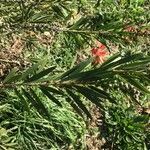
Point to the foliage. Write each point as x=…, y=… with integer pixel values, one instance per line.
x=90, y=83
x=31, y=130
x=35, y=96
x=126, y=129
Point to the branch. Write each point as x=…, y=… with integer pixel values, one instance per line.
x=37, y=84
x=13, y=85
x=57, y=28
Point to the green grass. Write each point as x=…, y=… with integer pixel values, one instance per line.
x=31, y=130
x=62, y=128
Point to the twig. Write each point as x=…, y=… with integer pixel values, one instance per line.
x=30, y=84
x=57, y=83
x=57, y=28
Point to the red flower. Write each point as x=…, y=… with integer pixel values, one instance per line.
x=99, y=53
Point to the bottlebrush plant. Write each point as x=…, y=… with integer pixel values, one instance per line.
x=39, y=44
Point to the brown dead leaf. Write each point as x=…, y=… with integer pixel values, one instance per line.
x=17, y=45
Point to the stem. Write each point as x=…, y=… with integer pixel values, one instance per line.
x=59, y=29
x=85, y=31
x=29, y=84
x=12, y=85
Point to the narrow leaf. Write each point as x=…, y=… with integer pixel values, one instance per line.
x=79, y=103
x=23, y=100
x=135, y=83
x=11, y=74
x=110, y=59
x=53, y=90
x=77, y=68
x=39, y=102
x=29, y=71
x=41, y=74
x=76, y=25
x=142, y=64
x=74, y=106
x=30, y=98
x=50, y=96
x=103, y=94
x=121, y=61
x=89, y=94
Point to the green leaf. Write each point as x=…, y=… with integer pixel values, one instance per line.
x=76, y=25
x=50, y=96
x=39, y=102
x=41, y=74
x=76, y=69
x=135, y=83
x=23, y=100
x=29, y=71
x=89, y=94
x=10, y=76
x=28, y=10
x=30, y=99
x=58, y=10
x=142, y=64
x=53, y=90
x=39, y=17
x=92, y=75
x=36, y=67
x=124, y=60
x=76, y=99
x=103, y=94
x=42, y=63
x=74, y=106
x=110, y=59
x=141, y=119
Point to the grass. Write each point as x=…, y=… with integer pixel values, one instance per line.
x=64, y=129
x=23, y=130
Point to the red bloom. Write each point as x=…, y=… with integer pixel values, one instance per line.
x=99, y=53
